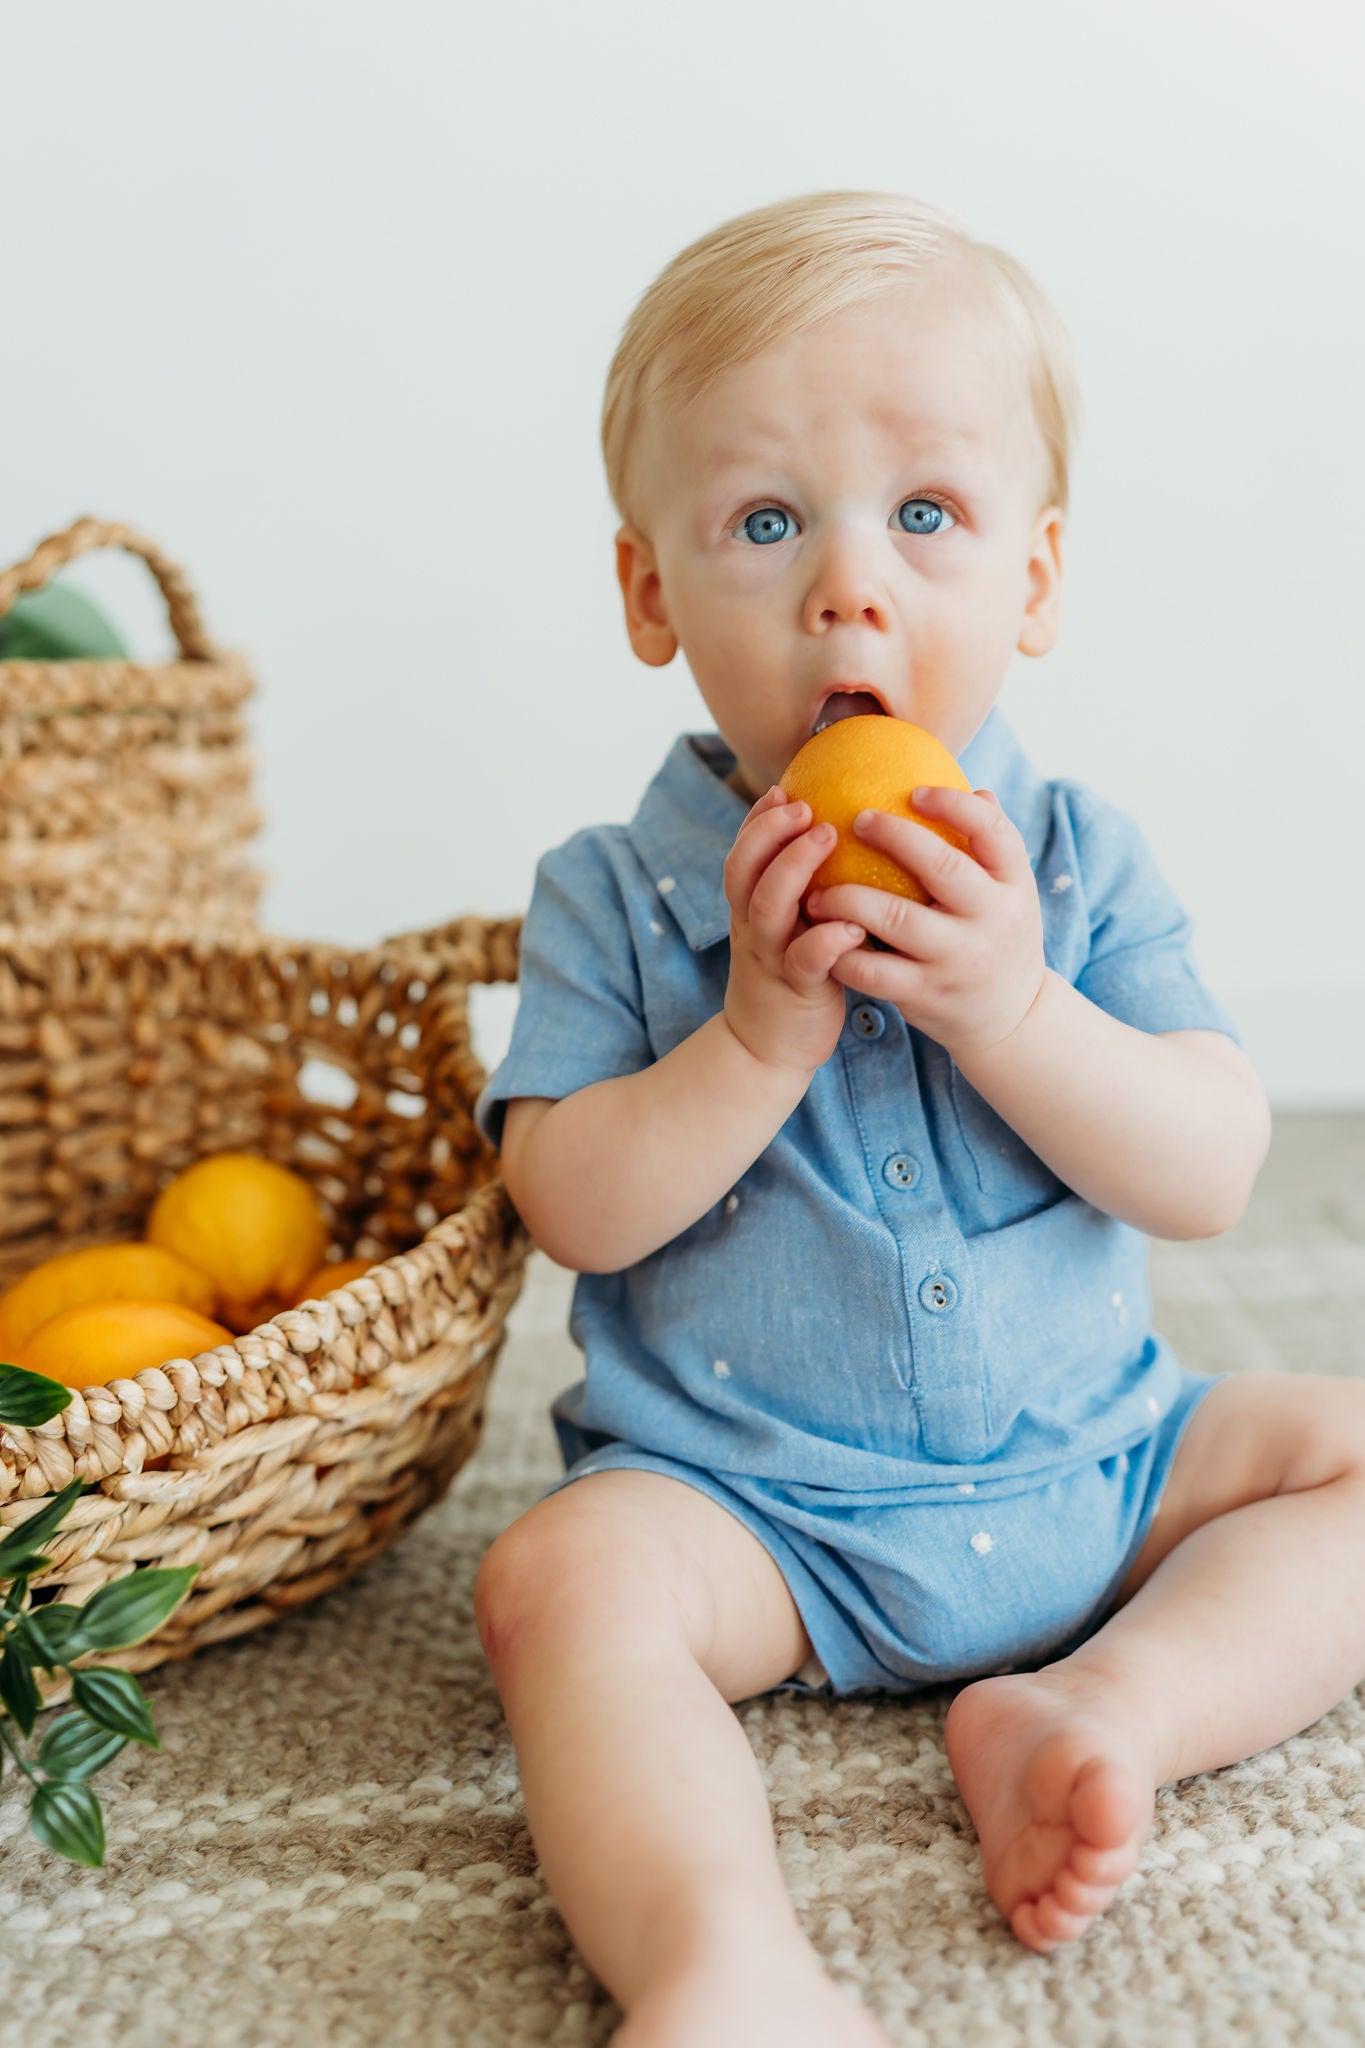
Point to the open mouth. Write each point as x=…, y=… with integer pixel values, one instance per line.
x=847, y=704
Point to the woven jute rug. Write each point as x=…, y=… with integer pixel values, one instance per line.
x=332, y=1845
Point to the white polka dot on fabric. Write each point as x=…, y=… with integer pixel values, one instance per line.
x=1061, y=882
x=981, y=1543
x=967, y=1486
x=666, y=884
x=721, y=1369
x=655, y=926
x=1153, y=1405
x=731, y=1204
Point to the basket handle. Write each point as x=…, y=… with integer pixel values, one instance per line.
x=479, y=948
x=58, y=549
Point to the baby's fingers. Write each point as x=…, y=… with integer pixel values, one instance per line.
x=775, y=901
x=775, y=795
x=809, y=958
x=769, y=828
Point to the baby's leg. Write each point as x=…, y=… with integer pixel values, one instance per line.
x=1241, y=1622
x=619, y=1617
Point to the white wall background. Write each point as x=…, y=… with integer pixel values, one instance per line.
x=322, y=297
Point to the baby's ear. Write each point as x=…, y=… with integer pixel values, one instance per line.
x=1041, y=622
x=642, y=592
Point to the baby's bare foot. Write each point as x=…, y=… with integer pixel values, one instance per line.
x=754, y=1999
x=1060, y=1788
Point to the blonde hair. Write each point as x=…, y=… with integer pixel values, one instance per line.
x=766, y=274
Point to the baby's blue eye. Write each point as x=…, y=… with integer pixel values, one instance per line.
x=926, y=515
x=917, y=515
x=762, y=525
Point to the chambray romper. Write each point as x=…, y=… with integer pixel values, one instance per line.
x=910, y=1360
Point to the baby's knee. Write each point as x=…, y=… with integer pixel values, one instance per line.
x=508, y=1586
x=559, y=1572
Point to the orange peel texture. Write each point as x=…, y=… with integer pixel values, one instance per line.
x=871, y=763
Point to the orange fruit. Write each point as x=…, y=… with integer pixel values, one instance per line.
x=328, y=1278
x=255, y=1228
x=111, y=1340
x=102, y=1272
x=870, y=763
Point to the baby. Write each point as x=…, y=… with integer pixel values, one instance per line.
x=872, y=1398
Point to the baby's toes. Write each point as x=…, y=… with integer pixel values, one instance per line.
x=1027, y=1926
x=1076, y=1897
x=1106, y=1867
x=1055, y=1922
x=1106, y=1805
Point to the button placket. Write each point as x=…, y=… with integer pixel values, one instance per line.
x=867, y=1021
x=938, y=1293
x=901, y=1170
x=939, y=1363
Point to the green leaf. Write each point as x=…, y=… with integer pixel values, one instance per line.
x=22, y=1569
x=18, y=1688
x=127, y=1611
x=67, y=1818
x=76, y=1747
x=29, y=1398
x=115, y=1700
x=29, y=1536
x=50, y=1630
x=30, y=1641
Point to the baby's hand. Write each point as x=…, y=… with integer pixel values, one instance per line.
x=966, y=967
x=780, y=1001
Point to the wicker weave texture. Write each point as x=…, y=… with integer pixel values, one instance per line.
x=125, y=787
x=303, y=1448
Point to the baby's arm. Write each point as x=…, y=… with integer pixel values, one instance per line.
x=607, y=1175
x=1167, y=1131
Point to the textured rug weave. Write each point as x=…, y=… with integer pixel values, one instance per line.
x=332, y=1846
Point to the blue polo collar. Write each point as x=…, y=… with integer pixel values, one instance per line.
x=688, y=817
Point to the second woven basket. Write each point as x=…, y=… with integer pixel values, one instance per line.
x=125, y=786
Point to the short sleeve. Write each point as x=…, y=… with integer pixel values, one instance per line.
x=579, y=1015
x=1140, y=966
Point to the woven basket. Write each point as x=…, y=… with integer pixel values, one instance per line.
x=124, y=786
x=299, y=1451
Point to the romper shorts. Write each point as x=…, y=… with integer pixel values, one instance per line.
x=1003, y=1576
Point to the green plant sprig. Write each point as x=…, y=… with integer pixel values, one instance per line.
x=110, y=1707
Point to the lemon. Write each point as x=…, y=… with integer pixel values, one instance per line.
x=255, y=1228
